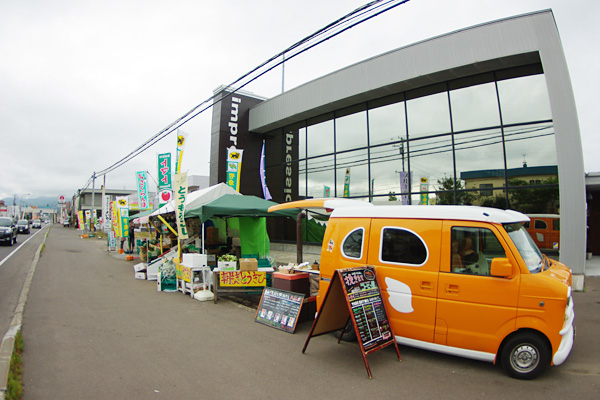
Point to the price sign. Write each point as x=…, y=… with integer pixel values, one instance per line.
x=279, y=309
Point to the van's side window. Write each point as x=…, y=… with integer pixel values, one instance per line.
x=353, y=244
x=402, y=246
x=473, y=250
x=539, y=224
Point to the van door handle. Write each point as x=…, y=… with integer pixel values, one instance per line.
x=426, y=286
x=452, y=289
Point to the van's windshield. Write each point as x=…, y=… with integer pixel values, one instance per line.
x=533, y=257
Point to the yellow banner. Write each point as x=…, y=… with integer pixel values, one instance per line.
x=243, y=278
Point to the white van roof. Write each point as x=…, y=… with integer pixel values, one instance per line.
x=348, y=208
x=466, y=213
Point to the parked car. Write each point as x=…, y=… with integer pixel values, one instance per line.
x=65, y=223
x=8, y=230
x=23, y=226
x=36, y=224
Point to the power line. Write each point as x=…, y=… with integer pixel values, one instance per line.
x=359, y=15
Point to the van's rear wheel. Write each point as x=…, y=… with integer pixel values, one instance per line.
x=525, y=356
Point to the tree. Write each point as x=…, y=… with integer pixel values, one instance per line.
x=531, y=200
x=498, y=201
x=392, y=196
x=446, y=195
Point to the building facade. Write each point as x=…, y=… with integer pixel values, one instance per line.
x=411, y=124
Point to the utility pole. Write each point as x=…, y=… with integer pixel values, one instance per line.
x=92, y=212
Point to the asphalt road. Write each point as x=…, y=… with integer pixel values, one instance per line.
x=92, y=331
x=15, y=261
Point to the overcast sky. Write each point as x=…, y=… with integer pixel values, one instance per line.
x=84, y=83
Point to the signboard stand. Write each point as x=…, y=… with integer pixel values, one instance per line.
x=353, y=295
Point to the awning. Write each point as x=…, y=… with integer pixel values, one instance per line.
x=239, y=206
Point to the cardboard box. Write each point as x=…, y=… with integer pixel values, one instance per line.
x=248, y=264
x=140, y=275
x=211, y=259
x=227, y=265
x=139, y=267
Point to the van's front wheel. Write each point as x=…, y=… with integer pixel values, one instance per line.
x=525, y=356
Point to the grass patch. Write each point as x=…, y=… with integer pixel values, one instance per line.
x=14, y=387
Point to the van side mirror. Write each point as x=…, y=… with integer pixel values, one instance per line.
x=502, y=268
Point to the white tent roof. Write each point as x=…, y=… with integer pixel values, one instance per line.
x=198, y=198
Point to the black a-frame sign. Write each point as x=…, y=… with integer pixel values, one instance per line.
x=354, y=295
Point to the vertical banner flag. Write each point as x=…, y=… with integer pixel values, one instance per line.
x=142, y=187
x=106, y=214
x=114, y=212
x=263, y=176
x=181, y=138
x=372, y=192
x=88, y=215
x=181, y=188
x=123, y=211
x=80, y=221
x=164, y=171
x=326, y=191
x=424, y=190
x=347, y=183
x=404, y=187
x=234, y=167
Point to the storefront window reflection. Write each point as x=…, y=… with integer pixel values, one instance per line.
x=428, y=115
x=387, y=124
x=351, y=131
x=474, y=107
x=357, y=165
x=469, y=142
x=524, y=99
x=321, y=175
x=320, y=139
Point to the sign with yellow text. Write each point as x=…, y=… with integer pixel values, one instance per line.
x=181, y=188
x=243, y=278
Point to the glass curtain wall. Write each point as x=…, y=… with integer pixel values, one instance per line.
x=485, y=140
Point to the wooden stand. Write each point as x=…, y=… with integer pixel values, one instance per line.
x=353, y=295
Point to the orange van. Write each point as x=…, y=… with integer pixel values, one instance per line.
x=544, y=229
x=461, y=280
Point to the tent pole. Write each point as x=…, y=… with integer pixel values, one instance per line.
x=299, y=237
x=203, y=251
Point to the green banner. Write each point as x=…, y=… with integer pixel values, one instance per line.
x=164, y=171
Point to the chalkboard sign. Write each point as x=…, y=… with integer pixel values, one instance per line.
x=368, y=311
x=353, y=295
x=279, y=309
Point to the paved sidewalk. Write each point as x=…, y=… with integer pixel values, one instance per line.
x=92, y=331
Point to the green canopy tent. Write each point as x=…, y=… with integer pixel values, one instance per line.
x=252, y=230
x=230, y=205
